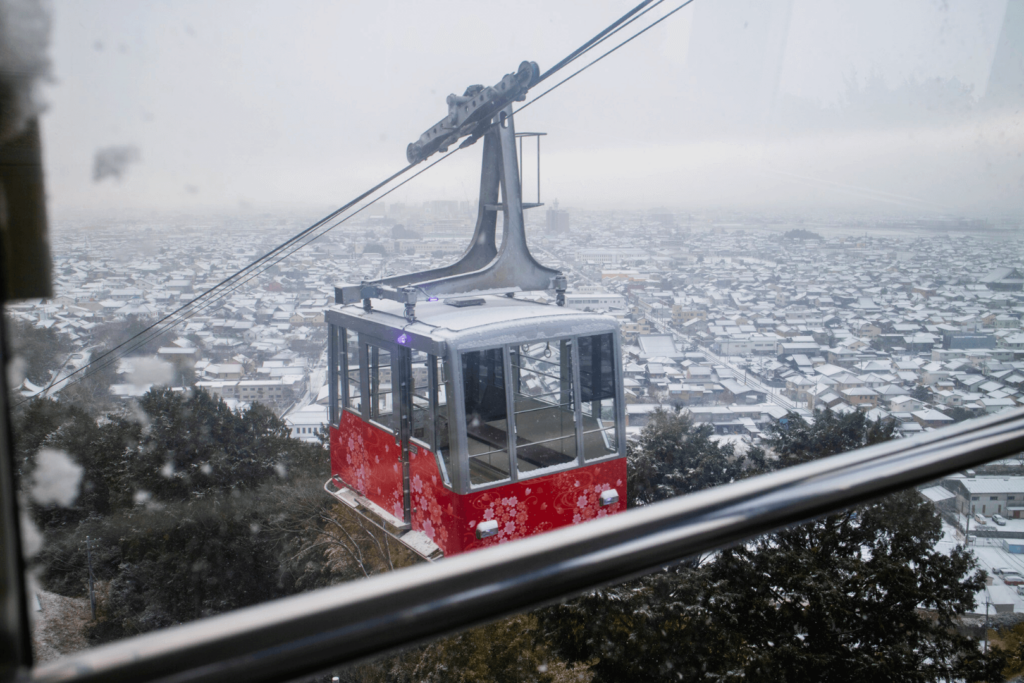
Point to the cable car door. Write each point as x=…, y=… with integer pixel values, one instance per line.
x=389, y=372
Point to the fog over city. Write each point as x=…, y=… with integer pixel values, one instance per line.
x=872, y=107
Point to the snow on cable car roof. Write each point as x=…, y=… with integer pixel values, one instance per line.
x=498, y=320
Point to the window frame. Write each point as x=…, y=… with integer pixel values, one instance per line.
x=433, y=413
x=463, y=433
x=370, y=395
x=574, y=371
x=619, y=409
x=334, y=332
x=338, y=391
x=618, y=403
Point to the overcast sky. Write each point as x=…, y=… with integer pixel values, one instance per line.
x=306, y=103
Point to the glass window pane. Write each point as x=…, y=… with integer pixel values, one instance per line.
x=597, y=367
x=441, y=435
x=381, y=395
x=422, y=416
x=597, y=396
x=545, y=410
x=600, y=436
x=351, y=390
x=483, y=377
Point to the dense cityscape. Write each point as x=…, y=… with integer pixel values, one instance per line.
x=739, y=321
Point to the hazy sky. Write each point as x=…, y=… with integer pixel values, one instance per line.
x=306, y=103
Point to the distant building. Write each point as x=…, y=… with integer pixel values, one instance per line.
x=1003, y=280
x=305, y=422
x=958, y=340
x=558, y=220
x=594, y=298
x=988, y=495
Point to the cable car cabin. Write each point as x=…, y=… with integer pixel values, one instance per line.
x=483, y=421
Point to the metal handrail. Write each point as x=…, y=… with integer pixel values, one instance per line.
x=308, y=633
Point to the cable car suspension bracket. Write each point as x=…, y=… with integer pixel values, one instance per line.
x=484, y=268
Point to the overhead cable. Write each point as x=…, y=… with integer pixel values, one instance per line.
x=603, y=55
x=216, y=294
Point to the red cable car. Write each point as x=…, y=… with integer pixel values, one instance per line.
x=461, y=416
x=477, y=426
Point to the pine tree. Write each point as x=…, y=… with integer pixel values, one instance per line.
x=861, y=595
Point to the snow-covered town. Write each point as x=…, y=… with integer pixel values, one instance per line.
x=738, y=320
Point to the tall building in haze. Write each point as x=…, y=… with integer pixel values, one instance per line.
x=558, y=220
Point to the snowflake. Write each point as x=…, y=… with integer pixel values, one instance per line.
x=489, y=514
x=510, y=528
x=576, y=519
x=582, y=502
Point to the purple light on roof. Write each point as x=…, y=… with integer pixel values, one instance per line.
x=432, y=298
x=403, y=339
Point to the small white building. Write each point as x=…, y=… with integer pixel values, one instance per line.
x=305, y=422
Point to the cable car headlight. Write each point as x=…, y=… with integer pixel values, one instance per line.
x=487, y=529
x=609, y=497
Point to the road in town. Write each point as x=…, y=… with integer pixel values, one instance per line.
x=317, y=378
x=773, y=394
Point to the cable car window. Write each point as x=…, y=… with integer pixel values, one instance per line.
x=597, y=396
x=381, y=404
x=336, y=365
x=441, y=422
x=545, y=407
x=483, y=378
x=351, y=390
x=422, y=413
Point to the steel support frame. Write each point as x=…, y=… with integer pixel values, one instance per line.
x=309, y=633
x=483, y=268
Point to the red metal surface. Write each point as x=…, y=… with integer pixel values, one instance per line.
x=435, y=509
x=366, y=458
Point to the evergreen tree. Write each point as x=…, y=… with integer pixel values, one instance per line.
x=191, y=508
x=38, y=352
x=674, y=457
x=858, y=596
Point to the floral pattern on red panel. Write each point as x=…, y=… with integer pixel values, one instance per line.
x=536, y=505
x=434, y=506
x=367, y=459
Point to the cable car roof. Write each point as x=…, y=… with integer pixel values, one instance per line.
x=497, y=320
